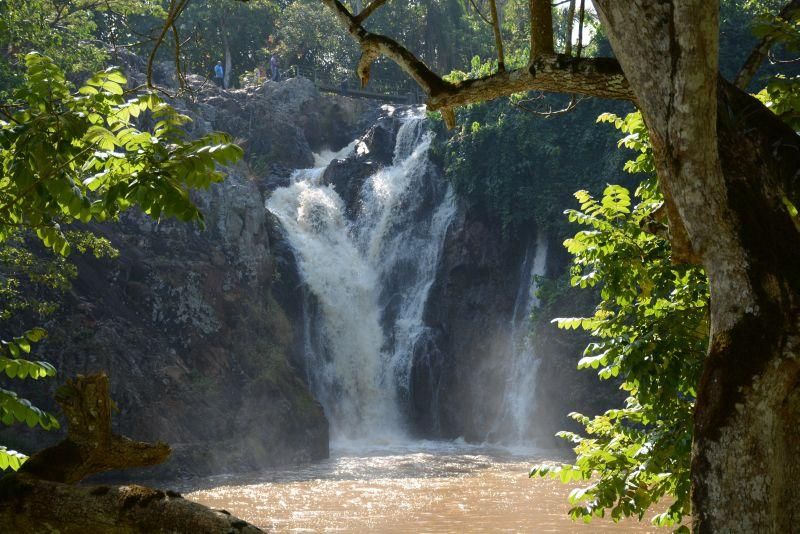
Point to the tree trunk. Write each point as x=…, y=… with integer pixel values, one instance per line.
x=726, y=167
x=568, y=28
x=226, y=81
x=541, y=12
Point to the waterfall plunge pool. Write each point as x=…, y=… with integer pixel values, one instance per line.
x=368, y=275
x=419, y=487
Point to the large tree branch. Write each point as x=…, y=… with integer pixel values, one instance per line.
x=43, y=494
x=90, y=447
x=600, y=77
x=367, y=11
x=761, y=51
x=29, y=505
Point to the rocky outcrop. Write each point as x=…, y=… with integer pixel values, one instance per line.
x=461, y=366
x=279, y=125
x=469, y=312
x=197, y=347
x=374, y=150
x=43, y=494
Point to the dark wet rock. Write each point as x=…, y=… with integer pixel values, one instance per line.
x=458, y=375
x=374, y=151
x=347, y=176
x=198, y=349
x=379, y=140
x=468, y=312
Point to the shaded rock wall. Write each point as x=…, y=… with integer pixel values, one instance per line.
x=458, y=376
x=469, y=310
x=200, y=330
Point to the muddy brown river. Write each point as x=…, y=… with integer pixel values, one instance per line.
x=426, y=487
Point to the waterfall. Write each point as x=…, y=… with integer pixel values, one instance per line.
x=367, y=279
x=515, y=424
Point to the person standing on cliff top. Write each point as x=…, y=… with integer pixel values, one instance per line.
x=273, y=67
x=219, y=73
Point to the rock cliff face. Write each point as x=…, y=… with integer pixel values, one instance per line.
x=460, y=363
x=469, y=312
x=198, y=329
x=462, y=368
x=201, y=331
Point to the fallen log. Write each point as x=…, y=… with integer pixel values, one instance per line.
x=42, y=495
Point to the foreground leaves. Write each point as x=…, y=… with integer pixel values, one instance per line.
x=82, y=156
x=650, y=331
x=70, y=157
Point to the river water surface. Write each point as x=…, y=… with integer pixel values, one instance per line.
x=428, y=487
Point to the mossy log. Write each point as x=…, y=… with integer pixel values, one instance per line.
x=42, y=497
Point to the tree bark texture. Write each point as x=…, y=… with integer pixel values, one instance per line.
x=568, y=28
x=29, y=505
x=726, y=165
x=541, y=28
x=90, y=447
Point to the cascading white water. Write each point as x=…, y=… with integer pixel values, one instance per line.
x=369, y=279
x=516, y=410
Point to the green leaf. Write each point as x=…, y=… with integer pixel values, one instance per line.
x=11, y=459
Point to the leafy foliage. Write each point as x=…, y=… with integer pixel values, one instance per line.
x=14, y=409
x=519, y=168
x=81, y=156
x=74, y=33
x=782, y=91
x=650, y=331
x=70, y=157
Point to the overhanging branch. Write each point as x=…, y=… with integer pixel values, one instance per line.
x=367, y=11
x=761, y=51
x=600, y=77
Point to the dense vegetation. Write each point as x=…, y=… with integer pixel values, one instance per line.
x=650, y=330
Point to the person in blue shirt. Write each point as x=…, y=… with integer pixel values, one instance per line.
x=219, y=73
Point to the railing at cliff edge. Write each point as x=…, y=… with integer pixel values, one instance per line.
x=396, y=91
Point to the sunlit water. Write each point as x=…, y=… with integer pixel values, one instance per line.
x=370, y=276
x=427, y=487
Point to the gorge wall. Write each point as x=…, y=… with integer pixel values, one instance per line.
x=214, y=339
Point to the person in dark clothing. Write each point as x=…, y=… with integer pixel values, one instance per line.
x=273, y=68
x=219, y=74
